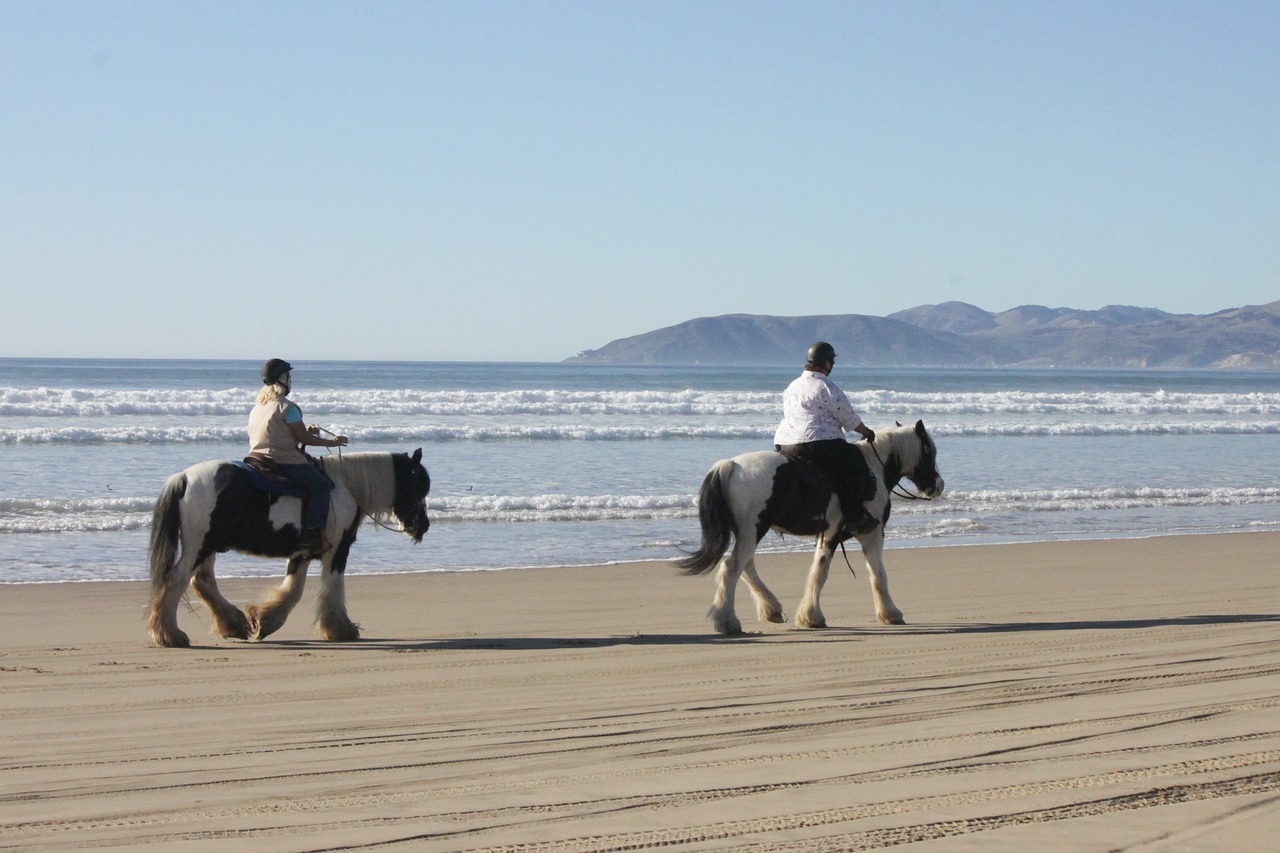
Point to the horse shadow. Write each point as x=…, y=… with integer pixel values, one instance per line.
x=510, y=644
x=835, y=633
x=1102, y=624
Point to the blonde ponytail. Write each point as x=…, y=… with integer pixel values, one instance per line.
x=271, y=393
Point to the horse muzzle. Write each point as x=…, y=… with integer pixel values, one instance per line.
x=935, y=491
x=421, y=524
x=928, y=488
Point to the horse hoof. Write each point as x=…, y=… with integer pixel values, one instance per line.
x=178, y=640
x=238, y=630
x=262, y=623
x=253, y=622
x=341, y=635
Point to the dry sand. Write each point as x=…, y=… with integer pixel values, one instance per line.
x=1120, y=695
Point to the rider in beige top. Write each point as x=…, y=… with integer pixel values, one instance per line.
x=277, y=433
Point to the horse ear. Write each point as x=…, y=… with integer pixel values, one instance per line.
x=417, y=455
x=897, y=423
x=920, y=428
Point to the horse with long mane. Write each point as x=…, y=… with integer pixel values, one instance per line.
x=745, y=497
x=214, y=507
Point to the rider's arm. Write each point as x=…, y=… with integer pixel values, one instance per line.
x=308, y=436
x=304, y=436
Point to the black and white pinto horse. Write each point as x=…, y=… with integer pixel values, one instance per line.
x=745, y=497
x=215, y=507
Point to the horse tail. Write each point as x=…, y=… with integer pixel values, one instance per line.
x=716, y=520
x=165, y=527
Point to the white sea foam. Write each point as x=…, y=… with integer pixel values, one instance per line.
x=97, y=402
x=48, y=515
x=538, y=465
x=124, y=433
x=132, y=513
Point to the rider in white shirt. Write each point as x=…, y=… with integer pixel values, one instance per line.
x=816, y=414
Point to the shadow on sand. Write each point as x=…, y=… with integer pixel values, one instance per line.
x=826, y=634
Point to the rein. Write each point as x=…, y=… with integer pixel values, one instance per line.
x=373, y=519
x=331, y=432
x=377, y=522
x=845, y=554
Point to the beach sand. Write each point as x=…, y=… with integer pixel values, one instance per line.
x=1118, y=695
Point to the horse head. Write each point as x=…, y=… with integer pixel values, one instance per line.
x=412, y=485
x=924, y=471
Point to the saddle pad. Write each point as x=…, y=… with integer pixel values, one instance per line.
x=275, y=485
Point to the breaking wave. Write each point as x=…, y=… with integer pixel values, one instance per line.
x=134, y=513
x=575, y=431
x=97, y=402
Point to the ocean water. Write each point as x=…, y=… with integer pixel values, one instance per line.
x=563, y=464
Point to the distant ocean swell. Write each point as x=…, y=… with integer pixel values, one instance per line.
x=400, y=434
x=106, y=514
x=90, y=402
x=45, y=402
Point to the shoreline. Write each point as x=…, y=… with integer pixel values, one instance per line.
x=1122, y=691
x=356, y=570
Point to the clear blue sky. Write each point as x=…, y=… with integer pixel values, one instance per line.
x=524, y=180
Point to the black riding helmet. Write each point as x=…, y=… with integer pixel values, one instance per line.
x=274, y=369
x=820, y=352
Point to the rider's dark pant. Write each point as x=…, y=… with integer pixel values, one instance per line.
x=318, y=487
x=846, y=465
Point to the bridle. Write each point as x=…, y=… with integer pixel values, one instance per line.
x=896, y=488
x=373, y=518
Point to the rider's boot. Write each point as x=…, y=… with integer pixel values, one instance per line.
x=314, y=542
x=859, y=521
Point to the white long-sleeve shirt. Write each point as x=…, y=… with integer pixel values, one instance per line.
x=814, y=409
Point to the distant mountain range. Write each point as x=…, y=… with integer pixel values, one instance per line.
x=957, y=334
